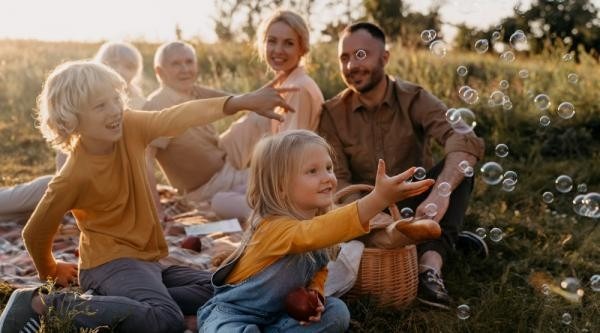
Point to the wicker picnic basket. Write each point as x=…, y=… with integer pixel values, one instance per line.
x=390, y=276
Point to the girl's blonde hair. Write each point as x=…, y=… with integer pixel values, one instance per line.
x=69, y=90
x=294, y=21
x=114, y=53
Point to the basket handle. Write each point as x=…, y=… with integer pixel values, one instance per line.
x=350, y=189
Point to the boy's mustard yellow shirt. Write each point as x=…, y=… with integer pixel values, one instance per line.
x=109, y=194
x=277, y=237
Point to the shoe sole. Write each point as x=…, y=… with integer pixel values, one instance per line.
x=437, y=305
x=480, y=240
x=4, y=315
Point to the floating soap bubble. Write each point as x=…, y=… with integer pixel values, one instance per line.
x=523, y=73
x=504, y=84
x=496, y=97
x=496, y=234
x=360, y=54
x=508, y=185
x=463, y=120
x=582, y=188
x=492, y=173
x=592, y=205
x=511, y=175
x=544, y=121
x=501, y=150
x=463, y=165
x=567, y=57
x=545, y=289
x=495, y=36
x=595, y=282
x=428, y=35
x=566, y=318
x=570, y=284
x=469, y=172
x=507, y=105
x=431, y=209
x=518, y=40
x=482, y=45
x=462, y=71
x=438, y=48
x=419, y=173
x=468, y=95
x=463, y=312
x=573, y=78
x=507, y=57
x=563, y=184
x=548, y=197
x=578, y=206
x=407, y=213
x=566, y=110
x=481, y=232
x=542, y=101
x=444, y=189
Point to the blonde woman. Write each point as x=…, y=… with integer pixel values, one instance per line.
x=283, y=43
x=126, y=60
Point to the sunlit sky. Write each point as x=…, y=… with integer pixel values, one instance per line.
x=155, y=20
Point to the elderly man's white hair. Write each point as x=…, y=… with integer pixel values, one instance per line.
x=159, y=56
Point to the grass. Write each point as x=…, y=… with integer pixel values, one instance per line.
x=542, y=242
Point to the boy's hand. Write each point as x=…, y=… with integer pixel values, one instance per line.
x=262, y=101
x=66, y=273
x=395, y=188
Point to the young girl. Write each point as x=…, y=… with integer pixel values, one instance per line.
x=126, y=60
x=291, y=187
x=283, y=43
x=104, y=184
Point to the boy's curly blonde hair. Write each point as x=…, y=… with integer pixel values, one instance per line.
x=68, y=90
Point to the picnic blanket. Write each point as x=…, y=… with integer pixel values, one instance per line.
x=17, y=269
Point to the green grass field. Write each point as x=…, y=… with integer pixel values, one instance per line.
x=503, y=291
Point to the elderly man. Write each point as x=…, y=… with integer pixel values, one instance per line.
x=201, y=164
x=378, y=116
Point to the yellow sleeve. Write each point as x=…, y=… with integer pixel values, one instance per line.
x=43, y=224
x=318, y=281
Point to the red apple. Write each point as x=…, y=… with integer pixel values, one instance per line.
x=192, y=243
x=302, y=303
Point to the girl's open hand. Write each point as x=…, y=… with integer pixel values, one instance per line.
x=396, y=188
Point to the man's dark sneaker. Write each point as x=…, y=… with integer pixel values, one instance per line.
x=432, y=291
x=470, y=243
x=18, y=316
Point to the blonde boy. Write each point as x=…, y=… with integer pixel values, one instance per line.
x=103, y=183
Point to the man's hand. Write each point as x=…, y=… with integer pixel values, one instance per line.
x=262, y=101
x=441, y=202
x=320, y=308
x=66, y=273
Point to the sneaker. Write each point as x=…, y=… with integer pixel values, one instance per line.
x=470, y=243
x=18, y=316
x=432, y=291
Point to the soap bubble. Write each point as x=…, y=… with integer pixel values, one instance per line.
x=523, y=73
x=570, y=284
x=444, y=189
x=566, y=318
x=463, y=120
x=504, y=85
x=511, y=175
x=508, y=185
x=496, y=234
x=407, y=213
x=438, y=48
x=578, y=205
x=582, y=188
x=463, y=312
x=468, y=95
x=507, y=56
x=567, y=57
x=428, y=35
x=548, y=197
x=492, y=173
x=449, y=117
x=462, y=71
x=501, y=150
x=595, y=282
x=545, y=289
x=497, y=97
x=542, y=102
x=419, y=173
x=481, y=232
x=518, y=40
x=573, y=78
x=482, y=45
x=463, y=165
x=592, y=205
x=507, y=105
x=431, y=209
x=360, y=54
x=495, y=36
x=563, y=183
x=544, y=121
x=469, y=172
x=566, y=110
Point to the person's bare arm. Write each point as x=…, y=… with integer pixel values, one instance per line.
x=150, y=155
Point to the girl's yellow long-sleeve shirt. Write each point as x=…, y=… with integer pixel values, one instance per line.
x=277, y=237
x=109, y=194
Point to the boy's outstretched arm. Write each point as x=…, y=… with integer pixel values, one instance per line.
x=389, y=190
